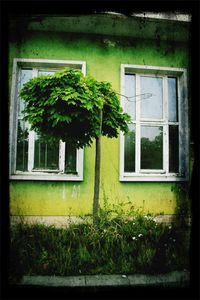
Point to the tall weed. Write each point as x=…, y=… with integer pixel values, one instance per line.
x=123, y=242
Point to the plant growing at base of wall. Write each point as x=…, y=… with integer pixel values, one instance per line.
x=75, y=109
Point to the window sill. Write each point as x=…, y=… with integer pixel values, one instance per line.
x=152, y=178
x=47, y=177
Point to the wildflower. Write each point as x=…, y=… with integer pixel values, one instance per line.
x=139, y=235
x=134, y=238
x=148, y=217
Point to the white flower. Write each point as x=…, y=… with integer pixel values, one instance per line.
x=134, y=238
x=139, y=235
x=148, y=217
x=124, y=276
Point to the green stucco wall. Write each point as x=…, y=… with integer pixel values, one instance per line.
x=103, y=56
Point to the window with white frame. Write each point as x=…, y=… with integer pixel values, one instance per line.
x=30, y=156
x=156, y=146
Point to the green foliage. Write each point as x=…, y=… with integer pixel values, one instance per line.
x=65, y=106
x=117, y=245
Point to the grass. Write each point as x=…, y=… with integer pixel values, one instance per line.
x=118, y=245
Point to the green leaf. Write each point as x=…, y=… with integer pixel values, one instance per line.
x=66, y=105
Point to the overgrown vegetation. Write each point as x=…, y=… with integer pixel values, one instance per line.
x=118, y=245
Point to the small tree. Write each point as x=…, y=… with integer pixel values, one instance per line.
x=76, y=109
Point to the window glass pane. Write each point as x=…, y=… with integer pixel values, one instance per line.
x=22, y=126
x=70, y=159
x=26, y=74
x=151, y=147
x=172, y=100
x=46, y=155
x=22, y=146
x=173, y=149
x=129, y=104
x=152, y=107
x=45, y=72
x=129, y=149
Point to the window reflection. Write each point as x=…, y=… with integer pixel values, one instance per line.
x=26, y=74
x=129, y=154
x=152, y=108
x=151, y=147
x=172, y=100
x=22, y=146
x=129, y=104
x=22, y=127
x=45, y=72
x=70, y=159
x=173, y=149
x=46, y=155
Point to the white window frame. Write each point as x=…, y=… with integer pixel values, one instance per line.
x=158, y=175
x=43, y=64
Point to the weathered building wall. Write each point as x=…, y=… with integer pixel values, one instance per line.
x=103, y=56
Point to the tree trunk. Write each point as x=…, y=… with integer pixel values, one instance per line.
x=97, y=175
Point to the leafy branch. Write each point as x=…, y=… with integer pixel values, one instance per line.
x=74, y=108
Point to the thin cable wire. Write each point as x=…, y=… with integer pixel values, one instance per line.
x=145, y=96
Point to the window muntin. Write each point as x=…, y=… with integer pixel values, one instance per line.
x=30, y=157
x=160, y=106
